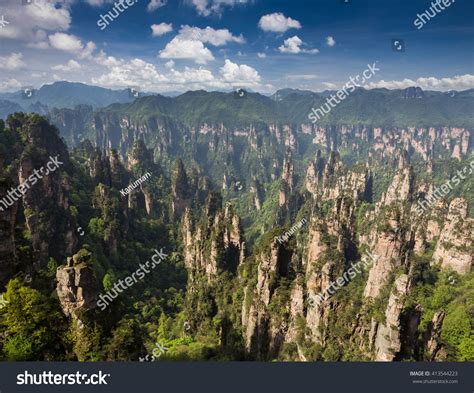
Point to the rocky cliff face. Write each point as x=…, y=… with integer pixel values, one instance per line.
x=387, y=340
x=455, y=245
x=272, y=264
x=77, y=286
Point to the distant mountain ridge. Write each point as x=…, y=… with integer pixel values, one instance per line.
x=67, y=95
x=402, y=107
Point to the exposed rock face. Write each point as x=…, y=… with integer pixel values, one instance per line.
x=287, y=181
x=263, y=335
x=387, y=341
x=434, y=348
x=77, y=287
x=8, y=255
x=180, y=189
x=390, y=240
x=53, y=234
x=215, y=247
x=455, y=247
x=402, y=186
x=413, y=92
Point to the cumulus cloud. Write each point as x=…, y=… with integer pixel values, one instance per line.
x=261, y=55
x=179, y=48
x=26, y=20
x=209, y=35
x=330, y=41
x=155, y=4
x=169, y=64
x=207, y=7
x=65, y=42
x=458, y=82
x=293, y=45
x=12, y=62
x=71, y=65
x=72, y=44
x=140, y=73
x=10, y=84
x=304, y=77
x=242, y=75
x=161, y=29
x=278, y=23
x=107, y=61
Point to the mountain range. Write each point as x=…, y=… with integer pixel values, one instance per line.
x=347, y=240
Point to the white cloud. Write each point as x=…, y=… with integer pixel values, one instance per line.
x=65, y=42
x=134, y=73
x=293, y=45
x=169, y=64
x=209, y=35
x=38, y=45
x=178, y=48
x=10, y=84
x=261, y=55
x=12, y=62
x=330, y=41
x=106, y=61
x=207, y=7
x=98, y=3
x=140, y=73
x=242, y=75
x=458, y=82
x=278, y=23
x=331, y=86
x=87, y=51
x=25, y=20
x=161, y=29
x=155, y=4
x=304, y=77
x=71, y=65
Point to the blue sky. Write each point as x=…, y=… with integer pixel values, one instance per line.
x=227, y=44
